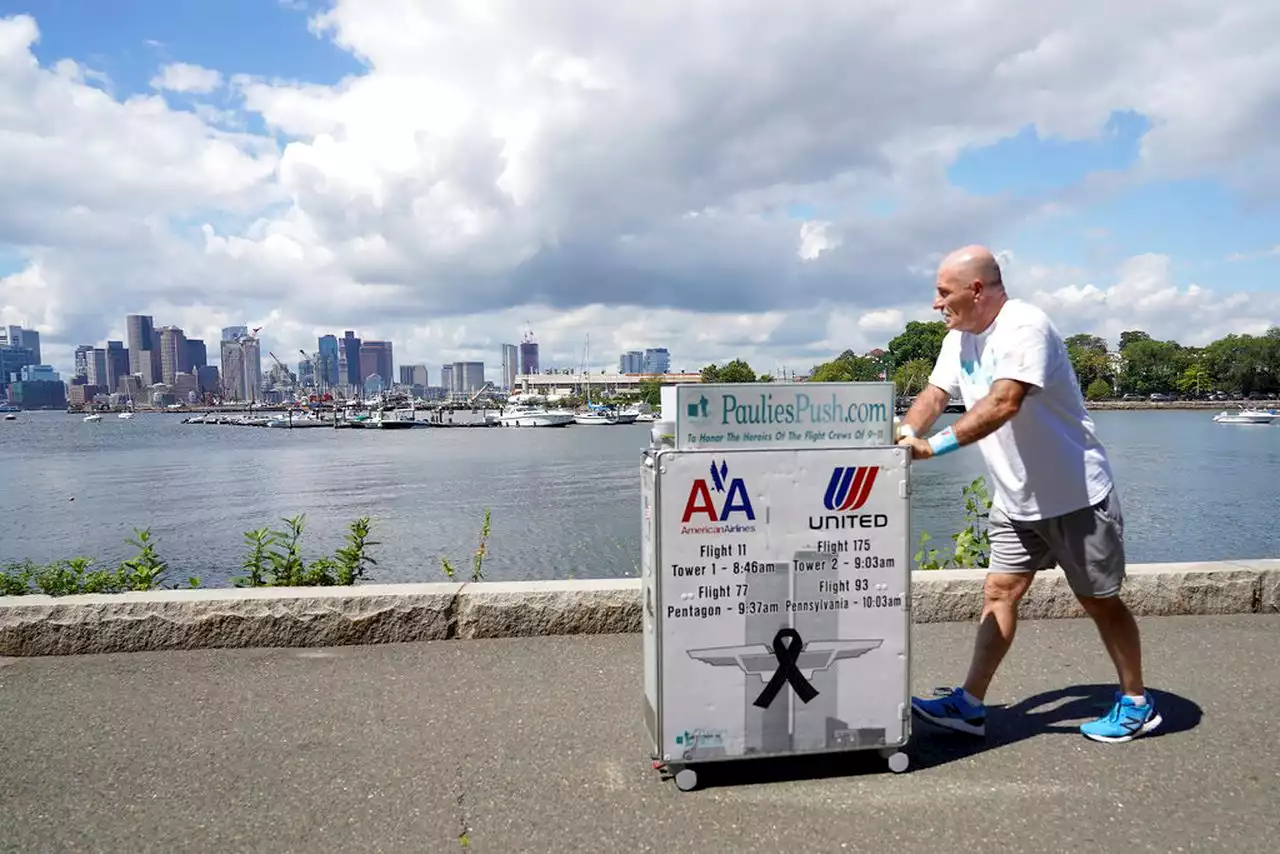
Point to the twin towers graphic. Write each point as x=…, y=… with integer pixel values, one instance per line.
x=792, y=691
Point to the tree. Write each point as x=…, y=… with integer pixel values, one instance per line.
x=1084, y=341
x=848, y=367
x=1088, y=361
x=1099, y=389
x=1196, y=379
x=1153, y=366
x=1132, y=336
x=651, y=392
x=766, y=378
x=912, y=377
x=736, y=371
x=919, y=340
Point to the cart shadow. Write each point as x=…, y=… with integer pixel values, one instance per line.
x=1058, y=712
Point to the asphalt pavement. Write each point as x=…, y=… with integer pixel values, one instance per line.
x=537, y=745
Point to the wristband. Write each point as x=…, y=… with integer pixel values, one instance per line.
x=906, y=431
x=943, y=442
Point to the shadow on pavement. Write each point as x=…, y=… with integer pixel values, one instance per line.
x=1052, y=712
x=1057, y=712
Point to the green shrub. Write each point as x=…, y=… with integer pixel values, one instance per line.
x=971, y=545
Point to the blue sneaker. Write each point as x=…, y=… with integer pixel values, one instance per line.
x=952, y=711
x=1124, y=722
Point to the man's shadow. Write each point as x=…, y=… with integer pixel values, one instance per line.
x=1052, y=713
x=1058, y=712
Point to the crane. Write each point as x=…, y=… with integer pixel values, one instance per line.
x=288, y=373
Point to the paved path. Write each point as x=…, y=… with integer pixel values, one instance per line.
x=536, y=745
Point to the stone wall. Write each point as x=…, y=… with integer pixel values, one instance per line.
x=389, y=613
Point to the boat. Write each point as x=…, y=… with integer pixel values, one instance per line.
x=598, y=413
x=9, y=416
x=395, y=419
x=125, y=416
x=533, y=416
x=1245, y=416
x=93, y=419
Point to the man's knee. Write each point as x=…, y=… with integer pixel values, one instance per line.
x=1102, y=606
x=1006, y=588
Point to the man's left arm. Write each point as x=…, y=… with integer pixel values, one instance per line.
x=1021, y=368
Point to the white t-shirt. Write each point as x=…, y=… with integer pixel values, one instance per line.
x=1046, y=460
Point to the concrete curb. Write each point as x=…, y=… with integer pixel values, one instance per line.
x=388, y=613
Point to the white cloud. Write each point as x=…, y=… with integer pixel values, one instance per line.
x=515, y=160
x=186, y=78
x=1143, y=294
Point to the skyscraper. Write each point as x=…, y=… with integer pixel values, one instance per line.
x=327, y=375
x=657, y=360
x=173, y=353
x=413, y=375
x=376, y=359
x=84, y=353
x=467, y=377
x=252, y=368
x=17, y=336
x=351, y=349
x=97, y=371
x=510, y=366
x=529, y=353
x=631, y=362
x=232, y=360
x=140, y=333
x=197, y=355
x=117, y=365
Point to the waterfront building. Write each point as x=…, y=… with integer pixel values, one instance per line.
x=510, y=366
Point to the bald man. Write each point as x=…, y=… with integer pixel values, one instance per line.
x=1053, y=501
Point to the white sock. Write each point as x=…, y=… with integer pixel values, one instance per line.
x=1139, y=700
x=971, y=700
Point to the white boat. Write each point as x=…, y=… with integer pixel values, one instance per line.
x=125, y=416
x=9, y=416
x=533, y=416
x=606, y=415
x=1245, y=416
x=394, y=419
x=94, y=418
x=297, y=420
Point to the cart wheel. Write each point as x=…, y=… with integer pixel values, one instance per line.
x=898, y=762
x=686, y=779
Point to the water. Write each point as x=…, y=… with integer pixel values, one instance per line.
x=565, y=502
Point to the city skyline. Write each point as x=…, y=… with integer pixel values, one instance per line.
x=290, y=182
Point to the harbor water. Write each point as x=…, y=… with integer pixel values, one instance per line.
x=564, y=502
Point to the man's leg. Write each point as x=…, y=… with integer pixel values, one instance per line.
x=1001, y=594
x=1119, y=631
x=1017, y=551
x=1090, y=545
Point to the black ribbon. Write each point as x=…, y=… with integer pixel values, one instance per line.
x=787, y=655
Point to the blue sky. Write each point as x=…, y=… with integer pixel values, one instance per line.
x=130, y=39
x=1199, y=223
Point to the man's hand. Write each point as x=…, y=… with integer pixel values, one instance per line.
x=920, y=449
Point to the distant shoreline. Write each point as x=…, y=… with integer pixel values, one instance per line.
x=1180, y=404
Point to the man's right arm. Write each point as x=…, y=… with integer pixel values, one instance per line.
x=926, y=408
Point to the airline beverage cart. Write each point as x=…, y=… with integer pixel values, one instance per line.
x=775, y=576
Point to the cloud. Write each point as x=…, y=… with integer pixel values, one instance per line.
x=634, y=174
x=1143, y=294
x=186, y=78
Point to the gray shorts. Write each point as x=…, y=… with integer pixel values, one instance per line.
x=1088, y=544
